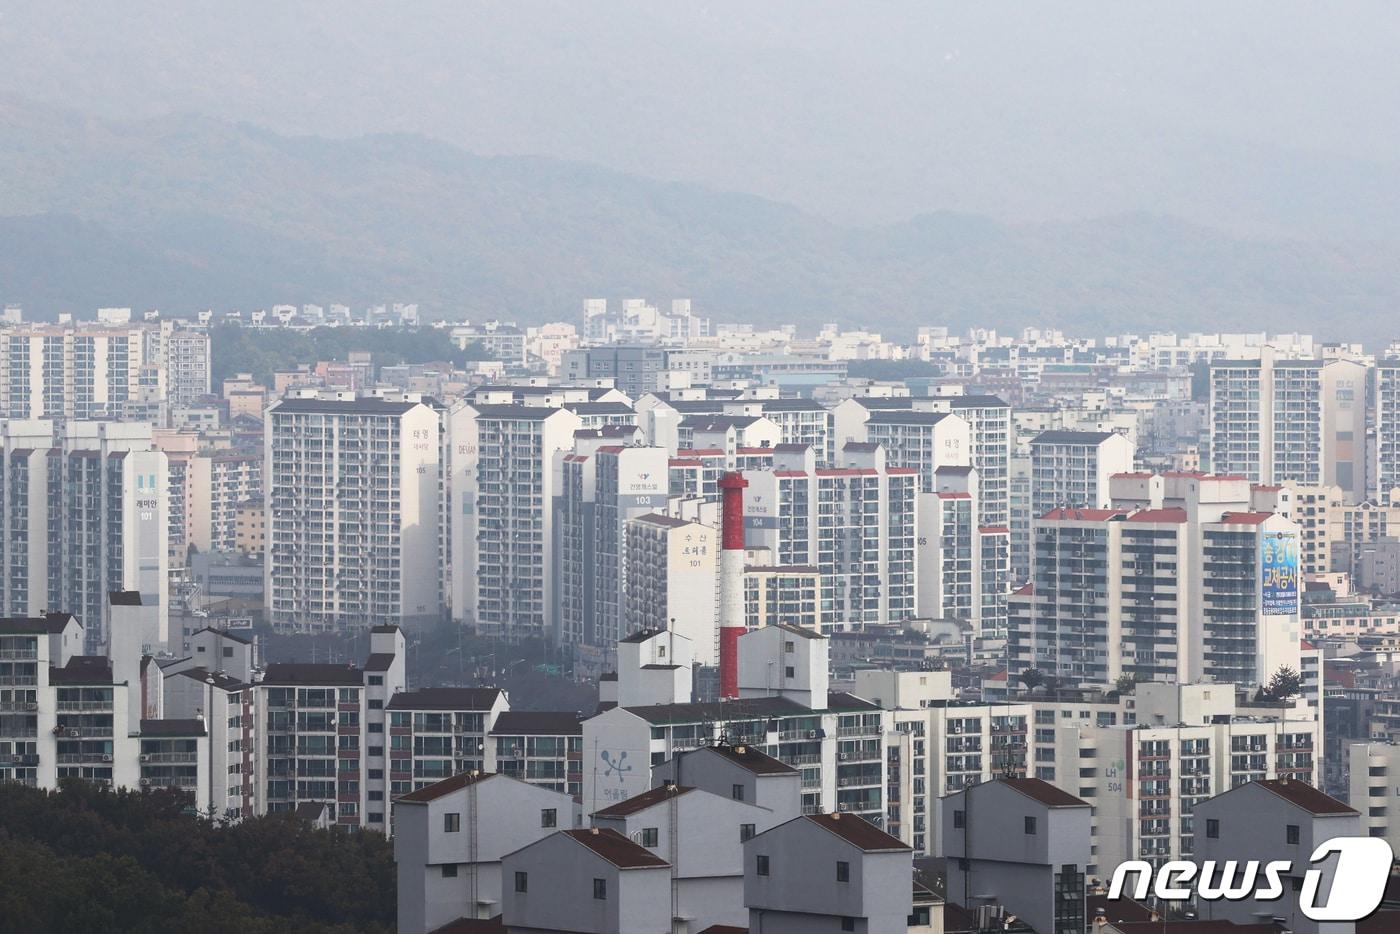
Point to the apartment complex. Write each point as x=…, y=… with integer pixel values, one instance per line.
x=854, y=523
x=1184, y=581
x=1292, y=421
x=516, y=485
x=352, y=509
x=85, y=514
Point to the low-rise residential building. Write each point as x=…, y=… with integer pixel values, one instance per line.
x=451, y=836
x=827, y=872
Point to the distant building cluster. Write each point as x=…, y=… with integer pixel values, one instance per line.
x=1027, y=606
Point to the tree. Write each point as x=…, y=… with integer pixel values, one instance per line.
x=1284, y=684
x=1032, y=678
x=1125, y=684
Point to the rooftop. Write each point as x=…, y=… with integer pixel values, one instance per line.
x=752, y=759
x=858, y=832
x=1305, y=796
x=445, y=699
x=172, y=727
x=1044, y=792
x=641, y=802
x=615, y=848
x=304, y=673
x=445, y=787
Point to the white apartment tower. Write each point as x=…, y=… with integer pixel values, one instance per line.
x=351, y=511
x=1292, y=421
x=1072, y=468
x=1181, y=581
x=517, y=482
x=603, y=486
x=84, y=514
x=83, y=371
x=854, y=523
x=671, y=581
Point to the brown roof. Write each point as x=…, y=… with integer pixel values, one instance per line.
x=445, y=699
x=643, y=801
x=312, y=674
x=1305, y=796
x=858, y=832
x=724, y=929
x=445, y=787
x=1044, y=792
x=753, y=759
x=615, y=848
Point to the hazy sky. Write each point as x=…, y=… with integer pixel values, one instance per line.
x=1276, y=116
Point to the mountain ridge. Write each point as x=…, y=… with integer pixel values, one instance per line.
x=185, y=212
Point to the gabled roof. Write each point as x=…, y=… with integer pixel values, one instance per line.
x=222, y=681
x=445, y=699
x=303, y=673
x=905, y=417
x=1042, y=791
x=858, y=832
x=83, y=669
x=642, y=635
x=225, y=634
x=445, y=787
x=1305, y=796
x=641, y=802
x=751, y=759
x=1072, y=437
x=190, y=727
x=35, y=625
x=615, y=848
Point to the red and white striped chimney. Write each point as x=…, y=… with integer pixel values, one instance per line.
x=731, y=583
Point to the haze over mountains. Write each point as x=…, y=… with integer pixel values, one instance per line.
x=1098, y=167
x=185, y=212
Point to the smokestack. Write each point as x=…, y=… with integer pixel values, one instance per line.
x=731, y=583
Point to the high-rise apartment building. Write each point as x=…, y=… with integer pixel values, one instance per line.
x=1293, y=421
x=671, y=581
x=603, y=486
x=352, y=508
x=84, y=515
x=1072, y=468
x=516, y=483
x=68, y=371
x=1184, y=582
x=854, y=523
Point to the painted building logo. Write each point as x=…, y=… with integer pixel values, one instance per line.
x=1357, y=885
x=1279, y=566
x=615, y=766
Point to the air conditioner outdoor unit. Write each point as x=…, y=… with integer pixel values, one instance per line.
x=106, y=758
x=145, y=782
x=73, y=734
x=31, y=706
x=144, y=757
x=811, y=734
x=842, y=756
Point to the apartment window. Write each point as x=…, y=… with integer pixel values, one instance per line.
x=1030, y=825
x=449, y=870
x=1292, y=833
x=959, y=820
x=761, y=865
x=843, y=871
x=1213, y=828
x=848, y=924
x=452, y=822
x=522, y=882
x=549, y=817
x=377, y=751
x=650, y=836
x=376, y=705
x=737, y=792
x=376, y=680
x=745, y=832
x=790, y=671
x=600, y=888
x=376, y=728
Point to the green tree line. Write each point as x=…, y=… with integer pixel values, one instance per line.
x=263, y=351
x=87, y=859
